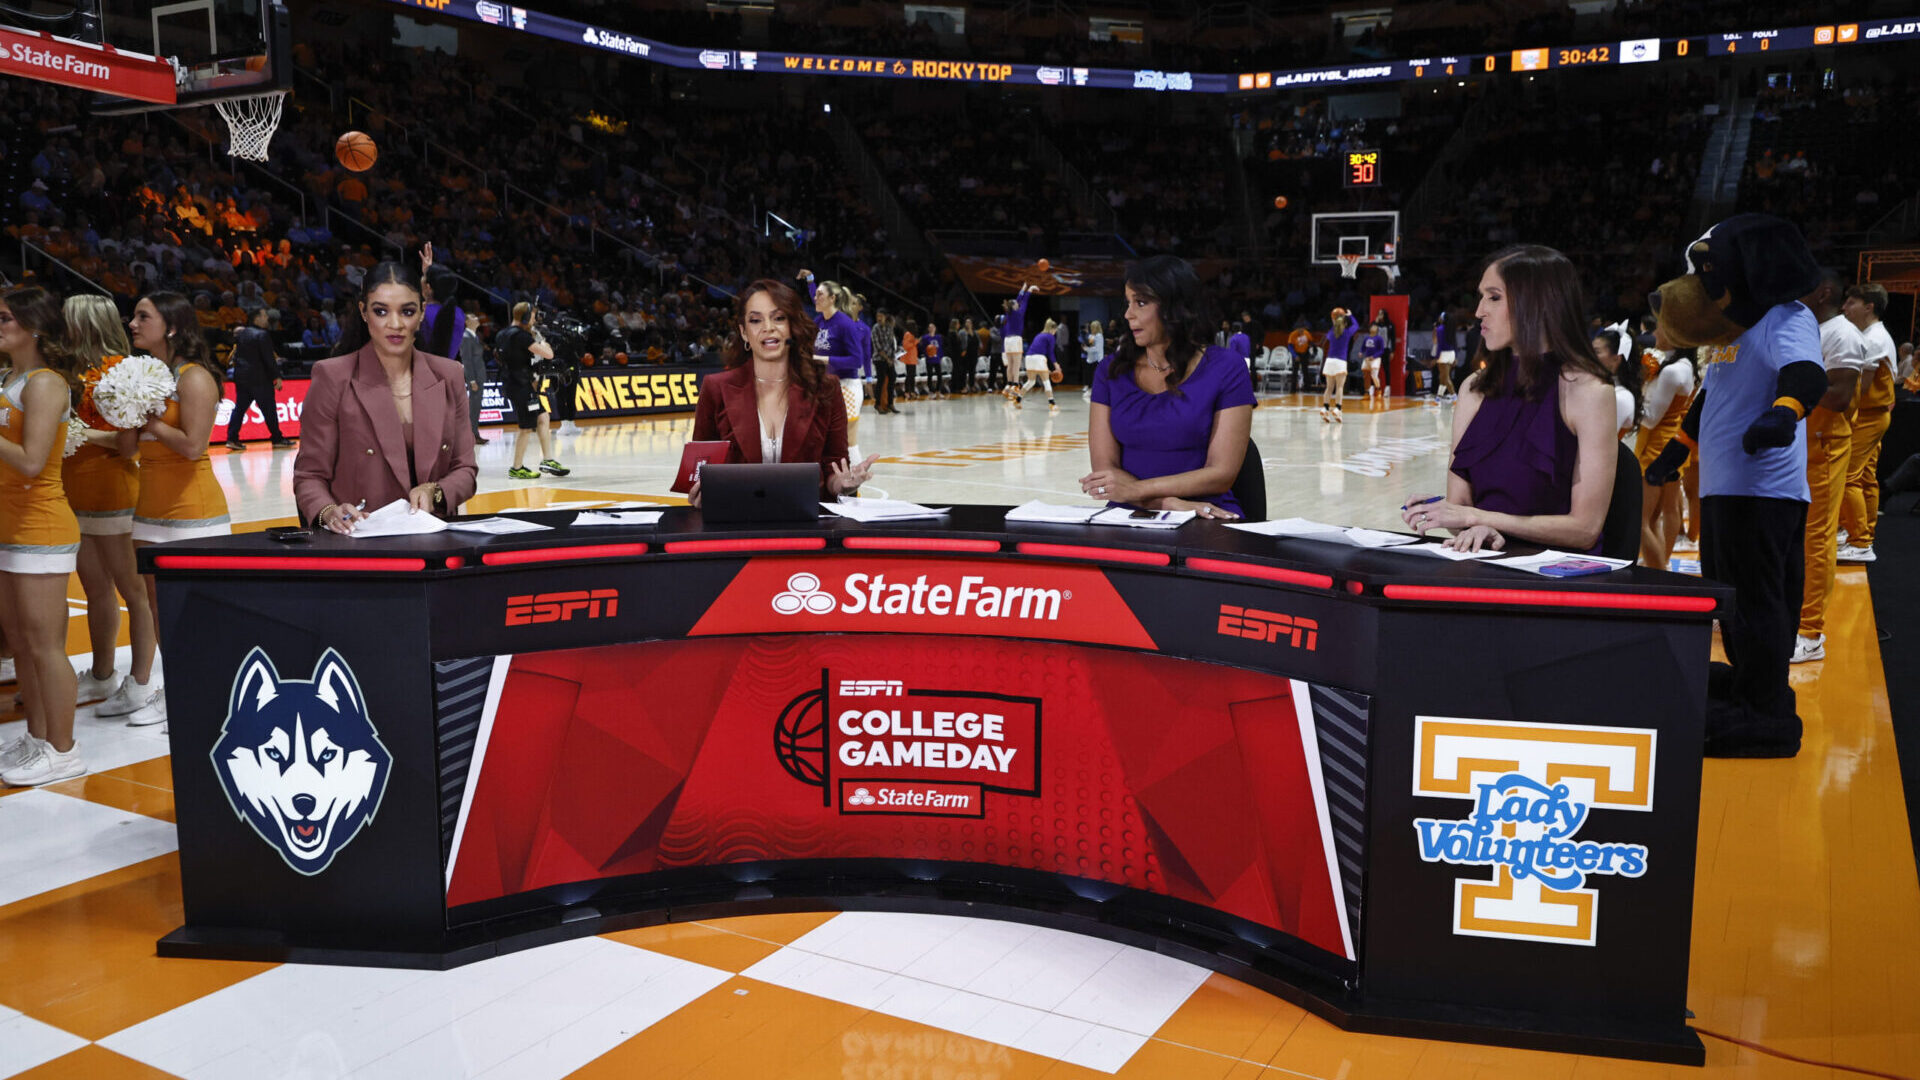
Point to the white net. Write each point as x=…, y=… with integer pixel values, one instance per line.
x=1349, y=265
x=251, y=122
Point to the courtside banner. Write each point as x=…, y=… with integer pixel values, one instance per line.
x=100, y=68
x=622, y=392
x=1186, y=780
x=289, y=402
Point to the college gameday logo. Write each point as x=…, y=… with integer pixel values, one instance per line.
x=910, y=595
x=1532, y=789
x=880, y=746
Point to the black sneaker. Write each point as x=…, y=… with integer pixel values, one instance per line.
x=282, y=444
x=236, y=446
x=554, y=468
x=1735, y=731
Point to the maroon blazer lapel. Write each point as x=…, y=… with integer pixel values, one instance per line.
x=796, y=440
x=429, y=415
x=743, y=413
x=376, y=398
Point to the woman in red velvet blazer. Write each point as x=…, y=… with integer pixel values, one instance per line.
x=774, y=402
x=383, y=420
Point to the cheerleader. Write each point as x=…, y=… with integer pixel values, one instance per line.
x=1667, y=382
x=39, y=539
x=102, y=479
x=179, y=498
x=837, y=344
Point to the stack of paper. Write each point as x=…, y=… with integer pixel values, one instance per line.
x=1143, y=519
x=1438, y=550
x=1304, y=529
x=1054, y=513
x=1552, y=563
x=498, y=526
x=396, y=519
x=881, y=509
x=617, y=517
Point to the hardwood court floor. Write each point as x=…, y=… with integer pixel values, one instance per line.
x=1806, y=920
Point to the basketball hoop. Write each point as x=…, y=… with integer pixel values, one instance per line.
x=1349, y=265
x=251, y=122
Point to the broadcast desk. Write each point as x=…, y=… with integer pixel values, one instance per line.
x=1415, y=796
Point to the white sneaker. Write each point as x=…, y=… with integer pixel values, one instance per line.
x=130, y=697
x=45, y=765
x=153, y=712
x=1850, y=554
x=90, y=689
x=15, y=754
x=1809, y=649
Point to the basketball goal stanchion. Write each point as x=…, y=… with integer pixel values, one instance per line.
x=251, y=122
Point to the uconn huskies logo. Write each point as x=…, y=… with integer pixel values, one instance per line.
x=300, y=761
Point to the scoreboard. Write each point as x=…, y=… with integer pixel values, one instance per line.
x=1362, y=169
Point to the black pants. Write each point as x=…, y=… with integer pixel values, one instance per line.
x=246, y=392
x=883, y=386
x=1757, y=546
x=475, y=399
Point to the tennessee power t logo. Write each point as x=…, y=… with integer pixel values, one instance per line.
x=1532, y=788
x=299, y=760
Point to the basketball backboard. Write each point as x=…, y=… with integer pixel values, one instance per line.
x=220, y=49
x=1373, y=236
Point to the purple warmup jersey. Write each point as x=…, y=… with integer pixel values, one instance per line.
x=1017, y=318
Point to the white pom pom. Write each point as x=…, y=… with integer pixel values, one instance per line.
x=76, y=436
x=132, y=391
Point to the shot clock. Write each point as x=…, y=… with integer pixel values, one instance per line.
x=1362, y=168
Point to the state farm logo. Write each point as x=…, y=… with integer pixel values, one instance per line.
x=873, y=594
x=1268, y=626
x=562, y=606
x=931, y=752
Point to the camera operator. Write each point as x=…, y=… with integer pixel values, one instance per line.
x=569, y=341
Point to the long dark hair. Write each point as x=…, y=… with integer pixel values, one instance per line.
x=354, y=333
x=800, y=330
x=185, y=344
x=38, y=312
x=1547, y=312
x=1185, y=310
x=437, y=337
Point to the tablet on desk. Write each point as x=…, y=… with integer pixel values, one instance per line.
x=694, y=458
x=741, y=493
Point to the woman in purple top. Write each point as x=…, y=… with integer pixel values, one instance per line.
x=1534, y=443
x=1170, y=414
x=1333, y=369
x=1373, y=349
x=1012, y=325
x=1042, y=354
x=838, y=342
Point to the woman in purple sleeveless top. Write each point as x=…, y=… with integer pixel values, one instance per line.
x=1534, y=444
x=1170, y=418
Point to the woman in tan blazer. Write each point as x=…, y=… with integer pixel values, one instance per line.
x=774, y=402
x=383, y=420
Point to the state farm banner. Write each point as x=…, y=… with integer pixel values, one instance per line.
x=289, y=402
x=88, y=66
x=1192, y=781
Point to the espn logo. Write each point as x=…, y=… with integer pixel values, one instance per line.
x=872, y=688
x=1269, y=626
x=562, y=606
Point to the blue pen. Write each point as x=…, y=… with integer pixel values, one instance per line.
x=1423, y=502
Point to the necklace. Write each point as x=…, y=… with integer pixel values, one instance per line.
x=770, y=382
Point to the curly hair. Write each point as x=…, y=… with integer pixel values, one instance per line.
x=187, y=346
x=800, y=327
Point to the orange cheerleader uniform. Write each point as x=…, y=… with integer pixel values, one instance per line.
x=179, y=499
x=102, y=486
x=1651, y=440
x=38, y=534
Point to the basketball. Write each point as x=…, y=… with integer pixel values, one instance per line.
x=356, y=150
x=1044, y=265
x=1279, y=202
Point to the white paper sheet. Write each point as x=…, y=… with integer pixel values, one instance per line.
x=1162, y=519
x=882, y=509
x=1305, y=529
x=394, y=519
x=1054, y=513
x=617, y=517
x=498, y=526
x=1439, y=550
x=1552, y=563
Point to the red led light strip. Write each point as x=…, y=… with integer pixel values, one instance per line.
x=1097, y=554
x=284, y=562
x=1453, y=594
x=771, y=543
x=917, y=543
x=561, y=554
x=1264, y=573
